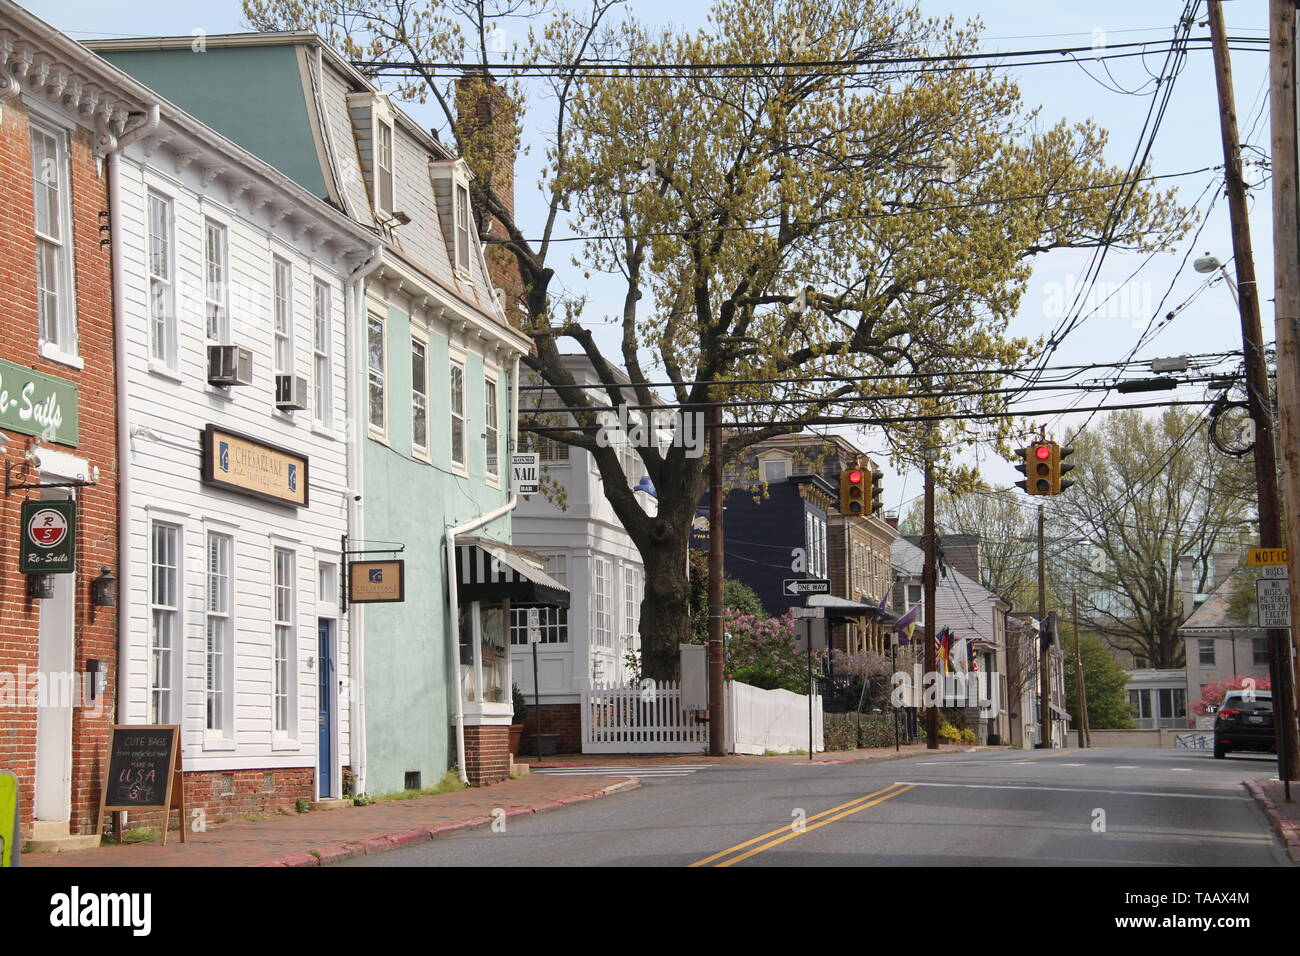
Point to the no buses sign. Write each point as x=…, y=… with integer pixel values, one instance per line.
x=525, y=473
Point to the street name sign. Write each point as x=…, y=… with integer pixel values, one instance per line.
x=806, y=586
x=1257, y=557
x=525, y=473
x=1273, y=599
x=812, y=612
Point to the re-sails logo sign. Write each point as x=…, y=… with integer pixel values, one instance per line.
x=49, y=537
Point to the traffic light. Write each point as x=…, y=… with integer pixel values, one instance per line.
x=877, y=492
x=853, y=491
x=1043, y=467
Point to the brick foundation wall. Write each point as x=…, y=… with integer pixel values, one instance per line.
x=562, y=719
x=250, y=791
x=94, y=629
x=487, y=755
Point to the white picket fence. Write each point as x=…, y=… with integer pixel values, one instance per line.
x=628, y=720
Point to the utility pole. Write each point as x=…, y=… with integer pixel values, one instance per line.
x=928, y=583
x=1259, y=400
x=717, y=707
x=1081, y=694
x=1045, y=665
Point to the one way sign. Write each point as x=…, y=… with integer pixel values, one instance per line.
x=795, y=586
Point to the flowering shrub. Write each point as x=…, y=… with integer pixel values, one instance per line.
x=1212, y=694
x=761, y=652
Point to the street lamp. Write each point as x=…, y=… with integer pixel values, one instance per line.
x=1208, y=264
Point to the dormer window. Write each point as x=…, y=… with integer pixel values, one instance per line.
x=462, y=228
x=384, y=166
x=775, y=469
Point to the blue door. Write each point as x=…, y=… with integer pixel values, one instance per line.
x=325, y=702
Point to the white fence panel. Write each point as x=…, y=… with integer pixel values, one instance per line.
x=631, y=720
x=759, y=721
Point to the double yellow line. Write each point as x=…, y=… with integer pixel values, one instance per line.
x=790, y=832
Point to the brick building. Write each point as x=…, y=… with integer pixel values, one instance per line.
x=59, y=121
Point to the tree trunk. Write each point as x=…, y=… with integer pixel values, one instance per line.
x=665, y=611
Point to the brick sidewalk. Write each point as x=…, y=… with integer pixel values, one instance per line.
x=1284, y=817
x=338, y=834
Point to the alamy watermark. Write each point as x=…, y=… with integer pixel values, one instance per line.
x=657, y=429
x=27, y=689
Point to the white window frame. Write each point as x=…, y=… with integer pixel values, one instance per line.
x=322, y=367
x=491, y=429
x=783, y=463
x=284, y=641
x=218, y=666
x=602, y=592
x=216, y=290
x=457, y=422
x=163, y=349
x=62, y=346
x=379, y=375
x=552, y=621
x=1204, y=644
x=461, y=227
x=633, y=594
x=282, y=309
x=163, y=698
x=420, y=398
x=384, y=171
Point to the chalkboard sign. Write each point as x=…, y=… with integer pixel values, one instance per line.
x=144, y=764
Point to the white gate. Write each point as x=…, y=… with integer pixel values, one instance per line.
x=635, y=720
x=771, y=721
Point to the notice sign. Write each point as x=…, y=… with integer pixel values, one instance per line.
x=1274, y=602
x=376, y=582
x=49, y=537
x=238, y=463
x=525, y=473
x=1257, y=557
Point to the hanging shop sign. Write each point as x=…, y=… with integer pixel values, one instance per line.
x=250, y=467
x=36, y=404
x=525, y=473
x=377, y=582
x=49, y=537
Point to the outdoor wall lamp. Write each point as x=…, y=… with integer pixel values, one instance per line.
x=40, y=586
x=103, y=590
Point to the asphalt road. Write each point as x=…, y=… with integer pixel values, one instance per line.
x=1108, y=807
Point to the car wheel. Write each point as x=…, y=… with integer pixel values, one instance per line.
x=1220, y=751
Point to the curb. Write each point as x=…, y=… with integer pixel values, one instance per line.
x=1287, y=831
x=393, y=841
x=927, y=753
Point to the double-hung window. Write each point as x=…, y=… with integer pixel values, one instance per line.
x=51, y=190
x=282, y=314
x=462, y=228
x=457, y=406
x=219, y=632
x=419, y=397
x=164, y=618
x=216, y=276
x=552, y=622
x=603, y=587
x=162, y=289
x=283, y=650
x=633, y=591
x=491, y=434
x=321, y=369
x=1205, y=651
x=384, y=167
x=377, y=367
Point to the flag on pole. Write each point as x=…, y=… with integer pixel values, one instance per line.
x=942, y=647
x=907, y=624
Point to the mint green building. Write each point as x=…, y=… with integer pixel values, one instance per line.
x=431, y=368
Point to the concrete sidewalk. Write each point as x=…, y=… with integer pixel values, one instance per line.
x=323, y=836
x=865, y=755
x=1284, y=817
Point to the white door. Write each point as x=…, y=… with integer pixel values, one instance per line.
x=59, y=688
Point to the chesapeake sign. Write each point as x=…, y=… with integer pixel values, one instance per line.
x=37, y=404
x=376, y=582
x=250, y=467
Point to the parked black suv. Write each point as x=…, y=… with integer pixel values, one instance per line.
x=1244, y=721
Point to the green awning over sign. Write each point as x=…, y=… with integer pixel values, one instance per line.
x=37, y=404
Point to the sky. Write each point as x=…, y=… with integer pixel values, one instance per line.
x=1188, y=140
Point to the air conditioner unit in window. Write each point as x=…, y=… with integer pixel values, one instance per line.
x=290, y=392
x=230, y=365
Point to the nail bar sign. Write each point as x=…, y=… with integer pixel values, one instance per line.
x=36, y=404
x=49, y=537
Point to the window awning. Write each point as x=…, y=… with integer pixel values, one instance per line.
x=488, y=570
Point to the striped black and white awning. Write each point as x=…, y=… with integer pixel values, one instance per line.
x=488, y=570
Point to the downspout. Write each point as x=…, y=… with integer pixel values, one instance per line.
x=354, y=306
x=115, y=232
x=453, y=604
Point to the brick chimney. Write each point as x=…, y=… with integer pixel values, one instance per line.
x=891, y=519
x=489, y=126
